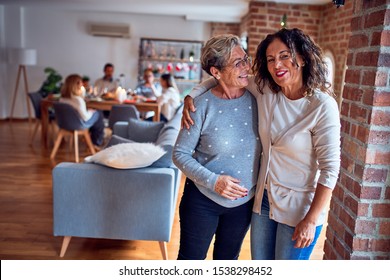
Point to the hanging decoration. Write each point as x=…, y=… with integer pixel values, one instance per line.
x=283, y=22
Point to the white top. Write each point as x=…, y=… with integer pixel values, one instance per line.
x=102, y=84
x=79, y=104
x=169, y=101
x=301, y=148
x=286, y=113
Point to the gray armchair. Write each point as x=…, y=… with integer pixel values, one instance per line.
x=122, y=112
x=96, y=201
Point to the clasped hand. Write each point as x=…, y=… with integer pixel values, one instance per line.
x=229, y=187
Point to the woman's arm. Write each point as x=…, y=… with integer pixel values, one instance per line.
x=186, y=143
x=212, y=82
x=326, y=143
x=186, y=120
x=203, y=87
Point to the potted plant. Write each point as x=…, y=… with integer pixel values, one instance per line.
x=52, y=84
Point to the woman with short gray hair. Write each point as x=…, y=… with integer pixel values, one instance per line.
x=219, y=156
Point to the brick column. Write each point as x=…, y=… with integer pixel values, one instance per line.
x=359, y=219
x=218, y=28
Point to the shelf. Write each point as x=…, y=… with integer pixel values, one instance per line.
x=172, y=56
x=169, y=59
x=178, y=80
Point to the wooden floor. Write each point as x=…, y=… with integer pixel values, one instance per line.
x=26, y=208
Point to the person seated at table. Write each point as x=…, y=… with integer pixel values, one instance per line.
x=169, y=98
x=148, y=87
x=106, y=84
x=71, y=93
x=88, y=90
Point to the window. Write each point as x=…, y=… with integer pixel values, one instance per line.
x=329, y=59
x=244, y=41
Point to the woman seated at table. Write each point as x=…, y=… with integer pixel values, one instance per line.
x=71, y=93
x=148, y=88
x=169, y=100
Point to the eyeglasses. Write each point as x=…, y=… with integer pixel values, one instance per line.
x=247, y=60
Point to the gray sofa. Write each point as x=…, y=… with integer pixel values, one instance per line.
x=91, y=200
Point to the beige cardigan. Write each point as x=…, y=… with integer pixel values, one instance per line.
x=301, y=156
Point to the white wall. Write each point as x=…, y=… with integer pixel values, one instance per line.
x=3, y=84
x=62, y=42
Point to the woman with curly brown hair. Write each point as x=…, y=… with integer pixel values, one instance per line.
x=299, y=127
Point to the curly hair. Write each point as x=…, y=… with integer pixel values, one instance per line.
x=315, y=71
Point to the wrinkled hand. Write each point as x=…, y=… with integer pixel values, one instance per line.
x=304, y=234
x=186, y=120
x=228, y=187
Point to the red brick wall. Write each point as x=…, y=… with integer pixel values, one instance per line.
x=265, y=18
x=334, y=33
x=359, y=219
x=218, y=28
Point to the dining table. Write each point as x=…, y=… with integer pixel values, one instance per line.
x=97, y=104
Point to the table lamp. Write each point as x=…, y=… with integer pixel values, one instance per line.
x=22, y=57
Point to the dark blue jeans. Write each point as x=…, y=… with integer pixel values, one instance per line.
x=97, y=129
x=202, y=218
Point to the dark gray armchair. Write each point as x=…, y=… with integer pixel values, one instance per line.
x=70, y=122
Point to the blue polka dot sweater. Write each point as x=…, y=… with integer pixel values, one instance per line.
x=223, y=141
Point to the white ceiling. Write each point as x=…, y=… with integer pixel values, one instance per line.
x=203, y=10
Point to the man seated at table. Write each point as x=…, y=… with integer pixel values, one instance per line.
x=106, y=84
x=88, y=90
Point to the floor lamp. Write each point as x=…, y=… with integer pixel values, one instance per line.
x=22, y=57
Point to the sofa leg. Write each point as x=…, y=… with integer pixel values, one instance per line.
x=65, y=244
x=163, y=248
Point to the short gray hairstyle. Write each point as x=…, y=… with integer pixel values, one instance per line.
x=217, y=51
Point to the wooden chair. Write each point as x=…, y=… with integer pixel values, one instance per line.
x=70, y=123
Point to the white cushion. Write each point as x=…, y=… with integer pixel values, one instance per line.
x=128, y=155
